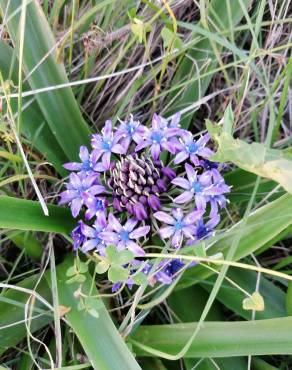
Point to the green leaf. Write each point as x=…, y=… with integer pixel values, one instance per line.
x=140, y=278
x=228, y=120
x=111, y=253
x=34, y=125
x=254, y=302
x=82, y=267
x=99, y=338
x=117, y=273
x=170, y=39
x=101, y=267
x=28, y=215
x=71, y=271
x=218, y=339
x=58, y=106
x=256, y=158
x=123, y=257
x=77, y=279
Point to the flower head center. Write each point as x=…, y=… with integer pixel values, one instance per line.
x=157, y=136
x=178, y=226
x=192, y=148
x=86, y=166
x=197, y=187
x=106, y=145
x=124, y=235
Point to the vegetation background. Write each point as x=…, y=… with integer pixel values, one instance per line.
x=66, y=67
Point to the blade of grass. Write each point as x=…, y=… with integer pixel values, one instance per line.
x=217, y=339
x=59, y=107
x=201, y=53
x=27, y=215
x=33, y=126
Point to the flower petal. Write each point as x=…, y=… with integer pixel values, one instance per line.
x=139, y=232
x=143, y=145
x=166, y=232
x=75, y=180
x=130, y=224
x=118, y=149
x=180, y=157
x=73, y=166
x=89, y=245
x=164, y=217
x=76, y=206
x=109, y=237
x=189, y=231
x=191, y=173
x=193, y=217
x=185, y=197
x=114, y=223
x=83, y=153
x=177, y=239
x=135, y=248
x=181, y=182
x=87, y=231
x=107, y=129
x=155, y=151
x=106, y=160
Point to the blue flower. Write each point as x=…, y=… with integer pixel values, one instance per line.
x=123, y=236
x=79, y=185
x=87, y=164
x=93, y=234
x=128, y=131
x=158, y=138
x=190, y=148
x=104, y=145
x=180, y=225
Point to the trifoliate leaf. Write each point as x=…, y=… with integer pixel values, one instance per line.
x=117, y=273
x=101, y=267
x=77, y=279
x=81, y=266
x=254, y=302
x=71, y=271
x=123, y=257
x=111, y=252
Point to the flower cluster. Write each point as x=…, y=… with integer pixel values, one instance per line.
x=137, y=182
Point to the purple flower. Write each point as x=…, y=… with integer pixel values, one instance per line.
x=130, y=130
x=77, y=236
x=123, y=236
x=179, y=225
x=93, y=234
x=87, y=164
x=159, y=138
x=167, y=270
x=190, y=148
x=198, y=186
x=104, y=145
x=94, y=205
x=204, y=230
x=79, y=185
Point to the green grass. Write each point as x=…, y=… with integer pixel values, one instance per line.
x=76, y=65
